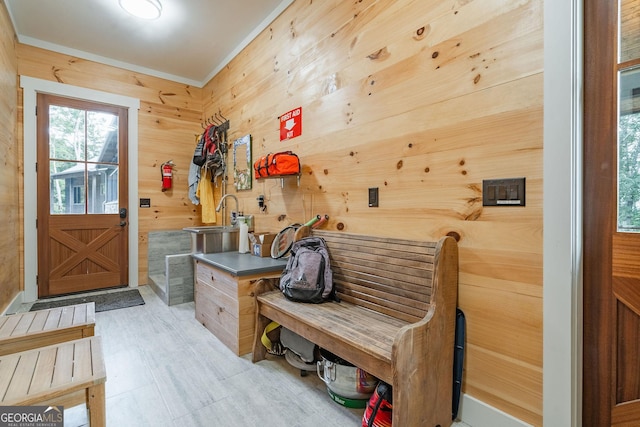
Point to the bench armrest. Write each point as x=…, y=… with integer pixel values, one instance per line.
x=423, y=351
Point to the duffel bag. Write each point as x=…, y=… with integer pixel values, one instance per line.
x=284, y=163
x=379, y=410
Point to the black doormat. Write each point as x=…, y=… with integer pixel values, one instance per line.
x=104, y=302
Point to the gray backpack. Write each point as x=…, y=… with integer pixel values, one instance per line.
x=307, y=276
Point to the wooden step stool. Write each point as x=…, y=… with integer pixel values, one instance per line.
x=66, y=374
x=25, y=331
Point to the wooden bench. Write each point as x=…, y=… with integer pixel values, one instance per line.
x=395, y=318
x=66, y=374
x=25, y=331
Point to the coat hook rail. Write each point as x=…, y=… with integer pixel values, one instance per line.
x=224, y=122
x=218, y=120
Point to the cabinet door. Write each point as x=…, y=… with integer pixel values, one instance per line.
x=216, y=308
x=225, y=305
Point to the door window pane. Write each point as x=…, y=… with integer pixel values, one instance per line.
x=102, y=196
x=83, y=148
x=66, y=133
x=102, y=137
x=629, y=151
x=629, y=30
x=66, y=187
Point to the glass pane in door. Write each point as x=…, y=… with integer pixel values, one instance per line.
x=83, y=152
x=102, y=137
x=66, y=187
x=67, y=133
x=629, y=29
x=102, y=196
x=629, y=151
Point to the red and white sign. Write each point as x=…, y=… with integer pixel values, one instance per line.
x=291, y=124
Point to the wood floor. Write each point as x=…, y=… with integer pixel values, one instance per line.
x=166, y=369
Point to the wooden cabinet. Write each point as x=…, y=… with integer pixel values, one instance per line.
x=225, y=305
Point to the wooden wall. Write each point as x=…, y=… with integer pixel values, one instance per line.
x=169, y=119
x=10, y=153
x=423, y=99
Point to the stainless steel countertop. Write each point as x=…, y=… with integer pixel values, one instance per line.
x=242, y=264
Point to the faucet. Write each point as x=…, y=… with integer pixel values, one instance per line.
x=233, y=218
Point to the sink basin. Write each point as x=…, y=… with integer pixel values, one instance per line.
x=204, y=229
x=208, y=239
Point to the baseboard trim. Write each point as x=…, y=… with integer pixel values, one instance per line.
x=476, y=413
x=15, y=304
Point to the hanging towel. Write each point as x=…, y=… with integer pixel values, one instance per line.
x=206, y=195
x=194, y=179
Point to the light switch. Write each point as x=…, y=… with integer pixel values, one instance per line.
x=513, y=192
x=491, y=192
x=503, y=192
x=373, y=197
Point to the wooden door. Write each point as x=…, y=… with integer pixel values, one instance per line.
x=611, y=353
x=82, y=196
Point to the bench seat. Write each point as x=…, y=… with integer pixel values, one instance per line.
x=24, y=331
x=352, y=332
x=65, y=374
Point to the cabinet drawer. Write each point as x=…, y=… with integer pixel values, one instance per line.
x=218, y=279
x=225, y=305
x=215, y=312
x=211, y=293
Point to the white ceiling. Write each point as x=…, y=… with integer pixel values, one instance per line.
x=189, y=43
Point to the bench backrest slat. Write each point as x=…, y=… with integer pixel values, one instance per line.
x=391, y=276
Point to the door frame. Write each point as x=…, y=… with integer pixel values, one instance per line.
x=562, y=217
x=31, y=87
x=599, y=163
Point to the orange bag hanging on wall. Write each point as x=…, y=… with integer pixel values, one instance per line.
x=284, y=163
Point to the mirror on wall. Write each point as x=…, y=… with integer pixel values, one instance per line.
x=242, y=163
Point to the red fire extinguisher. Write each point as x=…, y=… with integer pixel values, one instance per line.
x=166, y=170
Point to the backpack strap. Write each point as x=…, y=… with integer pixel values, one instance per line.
x=211, y=139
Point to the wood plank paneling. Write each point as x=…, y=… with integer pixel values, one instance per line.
x=518, y=393
x=424, y=100
x=169, y=118
x=421, y=98
x=10, y=153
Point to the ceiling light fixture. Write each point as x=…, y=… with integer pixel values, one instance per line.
x=145, y=9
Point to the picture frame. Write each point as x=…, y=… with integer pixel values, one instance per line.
x=242, y=175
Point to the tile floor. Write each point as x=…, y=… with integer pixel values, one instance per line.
x=166, y=369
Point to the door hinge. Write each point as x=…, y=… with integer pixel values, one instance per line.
x=37, y=280
x=36, y=167
x=36, y=222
